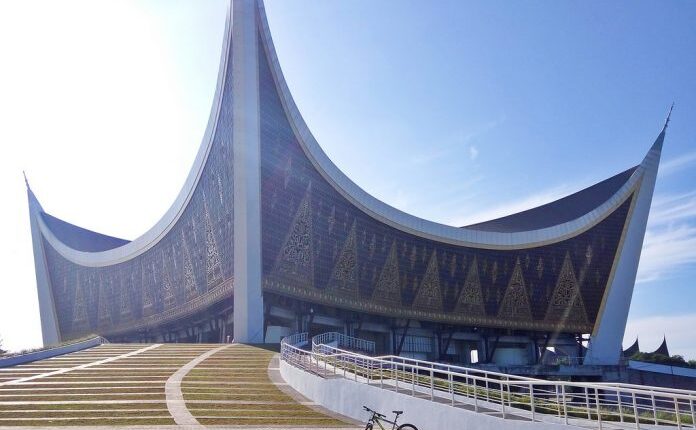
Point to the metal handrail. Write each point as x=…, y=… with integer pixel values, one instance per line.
x=343, y=341
x=297, y=339
x=536, y=399
x=468, y=370
x=563, y=360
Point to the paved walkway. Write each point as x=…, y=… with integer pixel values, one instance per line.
x=172, y=389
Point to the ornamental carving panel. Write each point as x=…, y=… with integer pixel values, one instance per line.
x=104, y=309
x=212, y=260
x=296, y=257
x=566, y=302
x=429, y=296
x=388, y=289
x=515, y=304
x=471, y=297
x=79, y=314
x=345, y=277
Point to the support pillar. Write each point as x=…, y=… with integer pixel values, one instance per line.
x=248, y=300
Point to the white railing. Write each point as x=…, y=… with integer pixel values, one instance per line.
x=563, y=360
x=593, y=405
x=297, y=339
x=342, y=342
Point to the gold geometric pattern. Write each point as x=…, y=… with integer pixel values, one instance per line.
x=168, y=292
x=388, y=289
x=332, y=219
x=296, y=258
x=190, y=288
x=213, y=267
x=125, y=298
x=148, y=300
x=429, y=296
x=103, y=308
x=471, y=298
x=80, y=307
x=515, y=304
x=344, y=280
x=566, y=304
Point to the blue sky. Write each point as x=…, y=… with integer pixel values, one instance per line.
x=454, y=111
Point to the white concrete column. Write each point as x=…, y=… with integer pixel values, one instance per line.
x=49, y=321
x=605, y=343
x=248, y=301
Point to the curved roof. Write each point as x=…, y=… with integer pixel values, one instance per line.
x=560, y=211
x=546, y=224
x=662, y=349
x=80, y=238
x=471, y=237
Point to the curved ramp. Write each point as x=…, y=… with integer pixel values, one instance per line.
x=437, y=395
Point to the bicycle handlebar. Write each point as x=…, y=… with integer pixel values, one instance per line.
x=374, y=412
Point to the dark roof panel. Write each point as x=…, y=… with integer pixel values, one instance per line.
x=561, y=211
x=662, y=349
x=80, y=238
x=632, y=350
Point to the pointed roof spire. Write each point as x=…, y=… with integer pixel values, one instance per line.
x=34, y=205
x=653, y=156
x=662, y=349
x=669, y=116
x=632, y=350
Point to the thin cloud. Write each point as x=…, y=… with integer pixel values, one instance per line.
x=665, y=251
x=674, y=165
x=430, y=156
x=670, y=241
x=650, y=331
x=673, y=208
x=473, y=152
x=455, y=142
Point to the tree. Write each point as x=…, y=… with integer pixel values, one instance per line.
x=675, y=360
x=2, y=351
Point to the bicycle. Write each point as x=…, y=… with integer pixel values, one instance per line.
x=378, y=419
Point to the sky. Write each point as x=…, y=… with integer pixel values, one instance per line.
x=453, y=111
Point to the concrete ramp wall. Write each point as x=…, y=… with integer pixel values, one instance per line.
x=347, y=397
x=52, y=352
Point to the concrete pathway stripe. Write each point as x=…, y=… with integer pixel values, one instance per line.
x=175, y=398
x=139, y=417
x=100, y=382
x=107, y=402
x=96, y=387
x=177, y=427
x=69, y=411
x=82, y=366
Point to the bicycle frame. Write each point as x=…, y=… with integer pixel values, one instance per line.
x=376, y=419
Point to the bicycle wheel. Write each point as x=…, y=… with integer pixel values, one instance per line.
x=407, y=427
x=368, y=426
